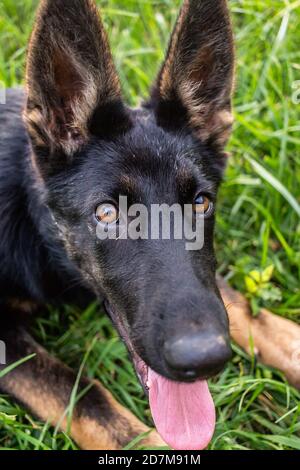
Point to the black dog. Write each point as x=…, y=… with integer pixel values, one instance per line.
x=62, y=170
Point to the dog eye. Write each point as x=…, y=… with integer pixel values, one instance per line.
x=203, y=205
x=107, y=214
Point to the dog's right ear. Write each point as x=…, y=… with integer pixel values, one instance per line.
x=72, y=86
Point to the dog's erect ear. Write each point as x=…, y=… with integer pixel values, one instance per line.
x=196, y=81
x=72, y=85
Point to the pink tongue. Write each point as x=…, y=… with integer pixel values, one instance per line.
x=184, y=414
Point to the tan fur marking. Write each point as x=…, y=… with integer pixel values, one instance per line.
x=220, y=127
x=23, y=306
x=44, y=385
x=275, y=339
x=127, y=182
x=87, y=431
x=88, y=434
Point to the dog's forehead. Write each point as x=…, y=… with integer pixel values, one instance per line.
x=148, y=161
x=147, y=147
x=152, y=157
x=150, y=151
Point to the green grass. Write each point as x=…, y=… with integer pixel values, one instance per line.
x=258, y=217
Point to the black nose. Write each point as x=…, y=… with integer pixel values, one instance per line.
x=197, y=355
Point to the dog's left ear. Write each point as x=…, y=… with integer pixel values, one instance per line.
x=195, y=84
x=72, y=85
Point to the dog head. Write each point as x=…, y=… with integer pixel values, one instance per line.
x=89, y=149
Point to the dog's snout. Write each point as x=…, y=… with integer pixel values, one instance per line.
x=197, y=355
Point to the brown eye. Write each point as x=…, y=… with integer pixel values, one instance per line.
x=203, y=205
x=107, y=214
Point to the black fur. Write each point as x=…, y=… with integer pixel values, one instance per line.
x=49, y=189
x=32, y=267
x=138, y=278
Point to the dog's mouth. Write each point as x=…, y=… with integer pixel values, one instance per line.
x=184, y=413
